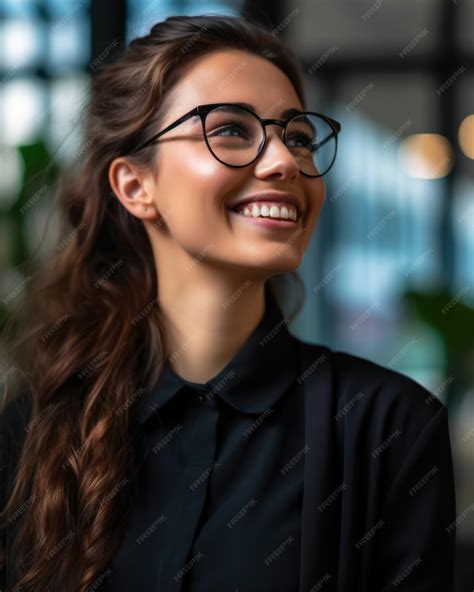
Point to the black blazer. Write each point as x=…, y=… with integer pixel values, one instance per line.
x=379, y=501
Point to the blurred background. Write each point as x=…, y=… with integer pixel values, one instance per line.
x=389, y=273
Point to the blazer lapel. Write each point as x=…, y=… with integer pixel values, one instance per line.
x=320, y=524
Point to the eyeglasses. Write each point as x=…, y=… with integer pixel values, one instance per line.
x=236, y=136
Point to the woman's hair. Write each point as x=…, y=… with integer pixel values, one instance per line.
x=89, y=341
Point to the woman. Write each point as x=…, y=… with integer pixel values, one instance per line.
x=172, y=434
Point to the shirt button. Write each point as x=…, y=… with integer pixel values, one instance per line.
x=208, y=401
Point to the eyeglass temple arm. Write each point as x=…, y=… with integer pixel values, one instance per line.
x=169, y=128
x=332, y=135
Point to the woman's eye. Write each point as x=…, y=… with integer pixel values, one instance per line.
x=234, y=129
x=306, y=141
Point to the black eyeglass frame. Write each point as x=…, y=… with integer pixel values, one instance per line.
x=203, y=110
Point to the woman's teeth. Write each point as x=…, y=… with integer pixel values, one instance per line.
x=288, y=211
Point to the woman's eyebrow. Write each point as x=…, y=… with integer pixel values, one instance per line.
x=287, y=113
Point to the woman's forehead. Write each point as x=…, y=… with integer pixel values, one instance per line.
x=235, y=77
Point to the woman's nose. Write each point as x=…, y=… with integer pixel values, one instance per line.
x=275, y=156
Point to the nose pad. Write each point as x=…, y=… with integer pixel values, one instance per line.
x=279, y=133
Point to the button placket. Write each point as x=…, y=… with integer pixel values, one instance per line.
x=203, y=443
x=187, y=512
x=208, y=400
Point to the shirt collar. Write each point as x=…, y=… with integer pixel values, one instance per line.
x=259, y=374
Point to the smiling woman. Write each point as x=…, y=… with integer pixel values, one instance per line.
x=184, y=439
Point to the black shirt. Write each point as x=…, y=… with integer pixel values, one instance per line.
x=220, y=487
x=221, y=490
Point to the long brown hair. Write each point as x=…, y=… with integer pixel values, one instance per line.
x=89, y=341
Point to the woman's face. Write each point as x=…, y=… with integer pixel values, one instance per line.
x=192, y=191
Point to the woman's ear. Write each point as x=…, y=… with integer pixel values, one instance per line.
x=134, y=188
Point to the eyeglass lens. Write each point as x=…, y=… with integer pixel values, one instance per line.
x=235, y=137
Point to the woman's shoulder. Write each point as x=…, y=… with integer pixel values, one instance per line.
x=385, y=437
x=365, y=394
